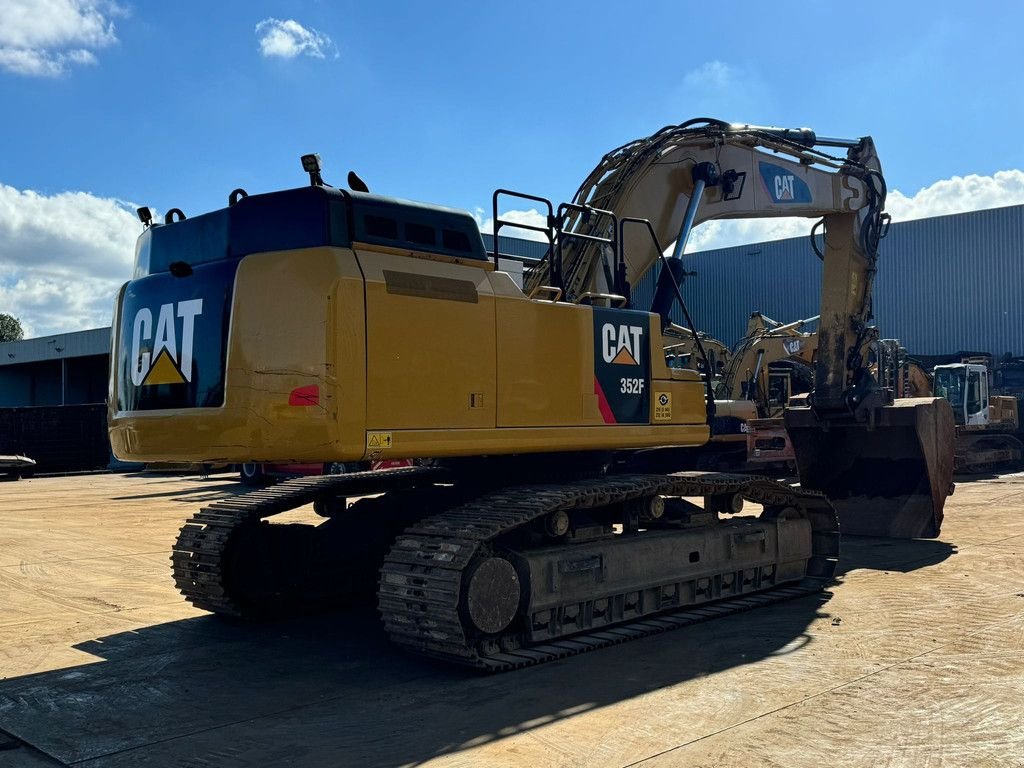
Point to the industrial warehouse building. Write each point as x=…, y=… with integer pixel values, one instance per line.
x=52, y=395
x=945, y=284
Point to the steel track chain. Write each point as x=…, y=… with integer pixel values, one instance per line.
x=200, y=557
x=421, y=580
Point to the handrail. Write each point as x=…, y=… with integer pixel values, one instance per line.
x=709, y=397
x=556, y=270
x=617, y=277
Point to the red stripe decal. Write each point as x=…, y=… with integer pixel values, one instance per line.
x=602, y=404
x=305, y=395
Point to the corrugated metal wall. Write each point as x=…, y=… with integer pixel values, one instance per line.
x=71, y=344
x=944, y=284
x=515, y=246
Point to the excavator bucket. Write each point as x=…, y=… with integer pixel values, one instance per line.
x=890, y=478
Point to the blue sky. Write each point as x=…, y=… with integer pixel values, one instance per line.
x=176, y=104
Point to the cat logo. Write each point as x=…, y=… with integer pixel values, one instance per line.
x=784, y=188
x=623, y=344
x=157, y=358
x=783, y=185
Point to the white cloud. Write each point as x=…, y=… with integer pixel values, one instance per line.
x=712, y=75
x=43, y=38
x=287, y=39
x=955, y=195
x=533, y=217
x=724, y=234
x=62, y=258
x=960, y=193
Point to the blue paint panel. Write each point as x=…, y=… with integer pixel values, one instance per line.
x=783, y=186
x=307, y=217
x=204, y=335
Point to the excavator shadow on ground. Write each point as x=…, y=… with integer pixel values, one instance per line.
x=330, y=690
x=900, y=555
x=201, y=488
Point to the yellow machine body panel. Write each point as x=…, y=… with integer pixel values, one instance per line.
x=430, y=343
x=338, y=354
x=286, y=308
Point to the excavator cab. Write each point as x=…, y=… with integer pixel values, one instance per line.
x=965, y=386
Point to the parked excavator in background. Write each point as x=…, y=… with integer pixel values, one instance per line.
x=772, y=362
x=770, y=365
x=331, y=325
x=1008, y=379
x=682, y=351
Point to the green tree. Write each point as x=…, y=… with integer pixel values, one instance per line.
x=10, y=328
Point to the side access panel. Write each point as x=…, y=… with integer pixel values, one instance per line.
x=430, y=343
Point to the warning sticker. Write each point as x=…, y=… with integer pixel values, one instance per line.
x=663, y=406
x=377, y=441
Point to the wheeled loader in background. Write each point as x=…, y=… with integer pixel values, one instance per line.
x=986, y=425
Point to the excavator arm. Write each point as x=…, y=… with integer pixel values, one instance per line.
x=706, y=169
x=887, y=466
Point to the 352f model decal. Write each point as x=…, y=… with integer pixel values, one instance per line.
x=622, y=371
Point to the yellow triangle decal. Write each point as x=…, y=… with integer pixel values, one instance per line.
x=163, y=371
x=624, y=358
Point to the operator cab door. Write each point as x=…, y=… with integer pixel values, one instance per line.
x=780, y=387
x=977, y=397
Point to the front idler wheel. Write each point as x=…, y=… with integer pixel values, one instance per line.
x=492, y=595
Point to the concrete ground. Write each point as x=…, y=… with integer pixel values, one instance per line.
x=915, y=658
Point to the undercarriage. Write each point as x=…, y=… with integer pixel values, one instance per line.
x=502, y=577
x=984, y=452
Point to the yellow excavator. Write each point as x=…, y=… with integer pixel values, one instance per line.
x=330, y=324
x=770, y=364
x=681, y=351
